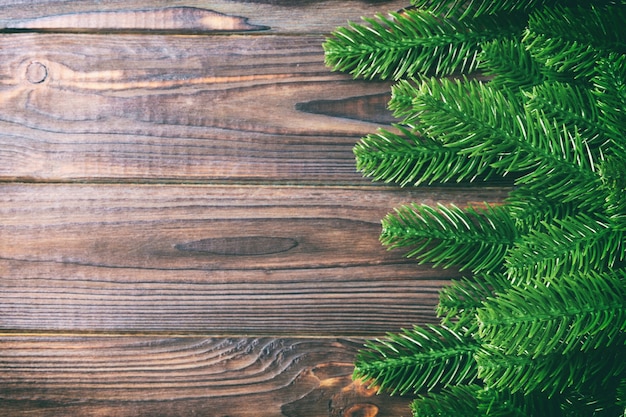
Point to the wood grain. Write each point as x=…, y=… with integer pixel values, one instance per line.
x=175, y=20
x=159, y=377
x=211, y=259
x=278, y=16
x=179, y=108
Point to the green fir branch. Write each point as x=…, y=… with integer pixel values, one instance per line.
x=572, y=106
x=610, y=92
x=455, y=401
x=613, y=172
x=585, y=311
x=475, y=400
x=599, y=403
x=552, y=375
x=532, y=210
x=475, y=8
x=503, y=403
x=481, y=121
x=573, y=244
x=473, y=239
x=621, y=393
x=510, y=65
x=402, y=95
x=408, y=43
x=599, y=31
x=422, y=358
x=460, y=300
x=407, y=158
x=539, y=327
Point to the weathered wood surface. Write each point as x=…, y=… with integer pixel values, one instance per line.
x=182, y=231
x=210, y=259
x=280, y=16
x=96, y=107
x=159, y=377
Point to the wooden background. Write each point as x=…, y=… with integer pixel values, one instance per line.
x=182, y=230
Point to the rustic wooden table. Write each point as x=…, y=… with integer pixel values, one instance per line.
x=182, y=230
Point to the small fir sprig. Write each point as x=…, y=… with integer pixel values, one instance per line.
x=537, y=326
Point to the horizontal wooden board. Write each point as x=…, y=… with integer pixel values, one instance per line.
x=274, y=16
x=159, y=377
x=211, y=259
x=180, y=108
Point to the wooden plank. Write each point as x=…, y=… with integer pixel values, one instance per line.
x=159, y=377
x=211, y=259
x=274, y=16
x=179, y=108
x=166, y=20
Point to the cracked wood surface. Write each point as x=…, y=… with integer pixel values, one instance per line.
x=182, y=230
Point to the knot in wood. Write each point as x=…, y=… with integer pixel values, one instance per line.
x=36, y=72
x=361, y=410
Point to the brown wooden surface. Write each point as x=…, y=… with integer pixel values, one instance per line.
x=182, y=230
x=277, y=16
x=167, y=376
x=210, y=259
x=154, y=107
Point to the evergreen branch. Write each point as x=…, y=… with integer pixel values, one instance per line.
x=545, y=313
x=460, y=300
x=573, y=244
x=510, y=65
x=566, y=182
x=572, y=106
x=409, y=159
x=531, y=210
x=599, y=31
x=475, y=8
x=610, y=93
x=621, y=393
x=416, y=360
x=481, y=121
x=503, y=403
x=553, y=374
x=476, y=401
x=410, y=43
x=583, y=312
x=448, y=236
x=402, y=95
x=456, y=401
x=613, y=173
x=598, y=401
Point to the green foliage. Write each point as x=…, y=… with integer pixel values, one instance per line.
x=417, y=359
x=598, y=32
x=408, y=158
x=610, y=93
x=477, y=239
x=460, y=300
x=576, y=311
x=555, y=375
x=571, y=105
x=476, y=8
x=511, y=66
x=414, y=41
x=537, y=327
x=564, y=247
x=457, y=401
x=621, y=393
